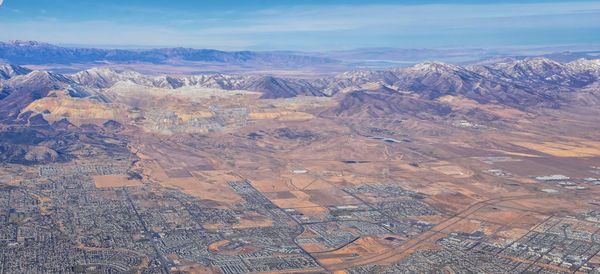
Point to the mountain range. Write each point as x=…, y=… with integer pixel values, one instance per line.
x=536, y=81
x=39, y=53
x=198, y=61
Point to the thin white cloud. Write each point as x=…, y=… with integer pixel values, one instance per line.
x=354, y=17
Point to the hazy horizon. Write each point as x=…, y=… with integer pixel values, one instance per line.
x=516, y=50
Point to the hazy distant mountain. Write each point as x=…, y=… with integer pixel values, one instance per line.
x=192, y=61
x=37, y=53
x=397, y=57
x=568, y=56
x=394, y=57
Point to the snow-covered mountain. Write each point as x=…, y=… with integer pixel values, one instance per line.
x=270, y=86
x=541, y=71
x=9, y=71
x=522, y=83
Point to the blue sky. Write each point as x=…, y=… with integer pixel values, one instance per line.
x=308, y=25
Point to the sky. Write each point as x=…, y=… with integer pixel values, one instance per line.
x=308, y=25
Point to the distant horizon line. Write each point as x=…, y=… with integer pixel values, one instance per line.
x=546, y=48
